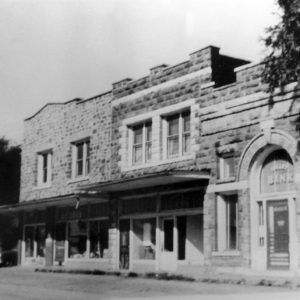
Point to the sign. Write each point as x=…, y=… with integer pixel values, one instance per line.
x=60, y=251
x=277, y=173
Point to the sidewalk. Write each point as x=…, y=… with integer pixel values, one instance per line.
x=270, y=278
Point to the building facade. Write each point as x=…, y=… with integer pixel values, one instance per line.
x=194, y=166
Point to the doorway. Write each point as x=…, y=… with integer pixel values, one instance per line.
x=278, y=235
x=168, y=254
x=124, y=228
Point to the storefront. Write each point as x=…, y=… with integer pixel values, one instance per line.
x=162, y=231
x=273, y=197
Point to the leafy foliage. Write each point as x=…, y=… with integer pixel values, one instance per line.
x=10, y=161
x=282, y=64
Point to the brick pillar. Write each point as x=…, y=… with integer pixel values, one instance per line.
x=20, y=236
x=50, y=231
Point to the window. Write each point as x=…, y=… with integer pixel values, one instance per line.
x=142, y=143
x=35, y=241
x=77, y=237
x=44, y=168
x=144, y=239
x=227, y=222
x=178, y=134
x=226, y=167
x=81, y=159
x=99, y=239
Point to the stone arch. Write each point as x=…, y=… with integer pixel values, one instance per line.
x=273, y=138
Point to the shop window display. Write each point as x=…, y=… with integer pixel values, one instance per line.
x=98, y=239
x=35, y=241
x=77, y=237
x=144, y=239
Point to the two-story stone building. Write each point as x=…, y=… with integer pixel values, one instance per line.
x=193, y=166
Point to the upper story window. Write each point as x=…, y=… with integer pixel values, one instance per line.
x=178, y=134
x=44, y=168
x=81, y=158
x=226, y=167
x=142, y=143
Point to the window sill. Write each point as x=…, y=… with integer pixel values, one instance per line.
x=226, y=180
x=160, y=162
x=227, y=253
x=78, y=179
x=42, y=186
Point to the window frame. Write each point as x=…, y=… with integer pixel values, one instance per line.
x=145, y=143
x=85, y=159
x=224, y=221
x=225, y=167
x=182, y=134
x=44, y=168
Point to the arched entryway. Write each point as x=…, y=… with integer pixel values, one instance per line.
x=268, y=165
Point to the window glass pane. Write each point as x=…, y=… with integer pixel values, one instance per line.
x=138, y=135
x=87, y=164
x=231, y=221
x=148, y=132
x=137, y=154
x=186, y=118
x=77, y=239
x=99, y=239
x=173, y=146
x=173, y=125
x=40, y=240
x=45, y=160
x=228, y=167
x=186, y=143
x=79, y=151
x=148, y=151
x=29, y=241
x=144, y=239
x=79, y=167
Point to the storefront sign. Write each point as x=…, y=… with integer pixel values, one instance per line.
x=277, y=173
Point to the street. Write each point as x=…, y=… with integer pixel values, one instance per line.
x=22, y=283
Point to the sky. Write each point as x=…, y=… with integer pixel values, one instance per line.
x=58, y=50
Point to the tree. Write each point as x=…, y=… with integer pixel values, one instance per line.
x=10, y=163
x=282, y=64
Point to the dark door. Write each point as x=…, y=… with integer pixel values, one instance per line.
x=278, y=234
x=124, y=244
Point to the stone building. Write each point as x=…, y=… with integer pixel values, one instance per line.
x=193, y=166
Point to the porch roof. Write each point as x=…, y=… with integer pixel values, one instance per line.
x=70, y=199
x=145, y=181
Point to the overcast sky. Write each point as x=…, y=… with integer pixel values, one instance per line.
x=57, y=50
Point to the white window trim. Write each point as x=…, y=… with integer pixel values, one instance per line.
x=158, y=141
x=40, y=173
x=85, y=175
x=144, y=142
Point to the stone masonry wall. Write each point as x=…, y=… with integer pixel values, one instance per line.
x=55, y=127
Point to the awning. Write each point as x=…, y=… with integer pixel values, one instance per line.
x=145, y=181
x=70, y=199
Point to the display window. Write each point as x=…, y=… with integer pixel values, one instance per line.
x=98, y=236
x=35, y=241
x=144, y=239
x=77, y=239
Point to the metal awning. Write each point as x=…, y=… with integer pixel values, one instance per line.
x=145, y=181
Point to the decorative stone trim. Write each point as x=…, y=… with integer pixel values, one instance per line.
x=277, y=137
